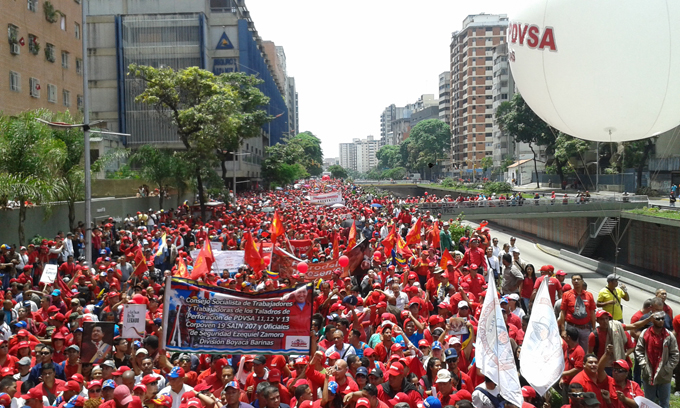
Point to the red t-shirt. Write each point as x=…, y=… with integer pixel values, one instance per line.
x=654, y=347
x=573, y=359
x=577, y=308
x=631, y=390
x=553, y=286
x=590, y=386
x=477, y=284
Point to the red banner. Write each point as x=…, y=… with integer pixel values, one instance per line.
x=303, y=247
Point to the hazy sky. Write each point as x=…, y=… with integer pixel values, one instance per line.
x=351, y=60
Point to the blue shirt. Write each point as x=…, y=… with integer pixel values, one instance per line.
x=414, y=338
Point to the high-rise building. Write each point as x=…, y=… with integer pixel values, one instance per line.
x=215, y=35
x=293, y=109
x=348, y=156
x=445, y=97
x=43, y=63
x=423, y=102
x=502, y=91
x=471, y=56
x=277, y=61
x=386, y=118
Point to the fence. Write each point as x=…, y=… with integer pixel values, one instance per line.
x=628, y=181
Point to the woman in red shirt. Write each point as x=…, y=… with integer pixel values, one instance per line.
x=528, y=285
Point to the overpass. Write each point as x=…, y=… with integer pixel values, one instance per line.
x=530, y=208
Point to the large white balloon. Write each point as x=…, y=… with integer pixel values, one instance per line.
x=591, y=67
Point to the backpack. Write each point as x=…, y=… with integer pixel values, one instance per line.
x=498, y=402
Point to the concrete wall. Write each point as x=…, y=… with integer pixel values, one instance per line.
x=565, y=231
x=38, y=222
x=653, y=247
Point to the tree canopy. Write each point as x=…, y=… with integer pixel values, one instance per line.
x=213, y=114
x=338, y=171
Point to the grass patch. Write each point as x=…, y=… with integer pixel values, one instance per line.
x=655, y=212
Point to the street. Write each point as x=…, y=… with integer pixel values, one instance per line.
x=531, y=254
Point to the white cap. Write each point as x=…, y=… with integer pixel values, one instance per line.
x=463, y=303
x=443, y=376
x=142, y=351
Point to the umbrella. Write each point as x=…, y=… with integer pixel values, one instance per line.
x=337, y=205
x=279, y=188
x=376, y=205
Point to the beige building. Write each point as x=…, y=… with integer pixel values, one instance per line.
x=42, y=60
x=471, y=88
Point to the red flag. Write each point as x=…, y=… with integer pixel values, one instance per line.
x=402, y=248
x=182, y=271
x=252, y=255
x=140, y=263
x=336, y=245
x=277, y=227
x=413, y=236
x=352, y=241
x=389, y=242
x=435, y=236
x=446, y=257
x=203, y=262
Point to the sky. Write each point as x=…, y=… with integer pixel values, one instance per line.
x=351, y=60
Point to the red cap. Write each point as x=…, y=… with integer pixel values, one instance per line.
x=369, y=352
x=561, y=272
x=35, y=393
x=396, y=347
x=423, y=343
x=528, y=392
x=22, y=333
x=148, y=379
x=622, y=363
x=92, y=384
x=603, y=312
x=400, y=397
x=395, y=369
x=274, y=375
x=70, y=385
x=334, y=356
x=5, y=371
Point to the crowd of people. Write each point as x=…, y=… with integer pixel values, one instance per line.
x=402, y=334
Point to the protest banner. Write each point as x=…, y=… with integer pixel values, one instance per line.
x=284, y=262
x=360, y=258
x=303, y=247
x=322, y=270
x=49, y=274
x=229, y=260
x=134, y=321
x=97, y=344
x=209, y=319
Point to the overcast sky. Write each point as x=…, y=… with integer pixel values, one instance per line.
x=350, y=60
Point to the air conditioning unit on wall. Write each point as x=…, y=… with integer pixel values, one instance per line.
x=15, y=48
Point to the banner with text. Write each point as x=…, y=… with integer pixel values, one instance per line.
x=134, y=321
x=229, y=260
x=210, y=319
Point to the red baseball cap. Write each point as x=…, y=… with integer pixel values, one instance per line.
x=622, y=363
x=400, y=397
x=35, y=393
x=395, y=369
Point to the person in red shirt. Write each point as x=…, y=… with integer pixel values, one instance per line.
x=594, y=379
x=473, y=255
x=573, y=357
x=578, y=310
x=626, y=390
x=657, y=353
x=398, y=389
x=259, y=374
x=475, y=280
x=554, y=285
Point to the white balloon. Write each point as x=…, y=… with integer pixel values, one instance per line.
x=599, y=70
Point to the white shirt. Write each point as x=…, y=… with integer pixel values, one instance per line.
x=347, y=350
x=176, y=397
x=161, y=380
x=496, y=250
x=479, y=400
x=402, y=299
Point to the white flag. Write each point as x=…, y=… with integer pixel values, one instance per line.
x=494, y=355
x=541, y=359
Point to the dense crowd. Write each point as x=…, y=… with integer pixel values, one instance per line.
x=402, y=334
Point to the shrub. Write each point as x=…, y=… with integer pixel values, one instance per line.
x=497, y=187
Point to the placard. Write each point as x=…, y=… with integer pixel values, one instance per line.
x=209, y=319
x=97, y=344
x=134, y=321
x=49, y=274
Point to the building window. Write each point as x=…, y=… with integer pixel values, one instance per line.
x=51, y=93
x=50, y=52
x=13, y=37
x=33, y=44
x=77, y=30
x=64, y=59
x=79, y=102
x=62, y=22
x=79, y=66
x=66, y=96
x=14, y=81
x=33, y=5
x=34, y=83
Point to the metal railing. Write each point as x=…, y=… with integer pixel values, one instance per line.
x=526, y=202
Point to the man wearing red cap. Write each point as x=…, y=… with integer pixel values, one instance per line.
x=397, y=384
x=554, y=285
x=34, y=398
x=474, y=280
x=473, y=255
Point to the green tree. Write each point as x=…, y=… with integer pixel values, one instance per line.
x=430, y=140
x=155, y=165
x=283, y=163
x=208, y=111
x=312, y=158
x=397, y=173
x=487, y=163
x=31, y=158
x=636, y=154
x=389, y=157
x=337, y=171
x=517, y=118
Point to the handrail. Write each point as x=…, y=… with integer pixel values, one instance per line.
x=507, y=203
x=583, y=241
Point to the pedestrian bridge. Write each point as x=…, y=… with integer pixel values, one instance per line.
x=531, y=208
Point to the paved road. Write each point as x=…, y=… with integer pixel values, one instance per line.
x=531, y=254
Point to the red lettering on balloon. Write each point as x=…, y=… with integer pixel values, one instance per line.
x=548, y=40
x=522, y=34
x=514, y=32
x=532, y=41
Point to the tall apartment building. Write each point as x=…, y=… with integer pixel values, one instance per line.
x=386, y=117
x=471, y=56
x=278, y=54
x=293, y=108
x=360, y=154
x=445, y=97
x=423, y=102
x=502, y=91
x=348, y=156
x=42, y=60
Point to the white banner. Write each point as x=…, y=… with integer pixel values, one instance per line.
x=645, y=403
x=49, y=274
x=541, y=358
x=134, y=321
x=494, y=355
x=229, y=260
